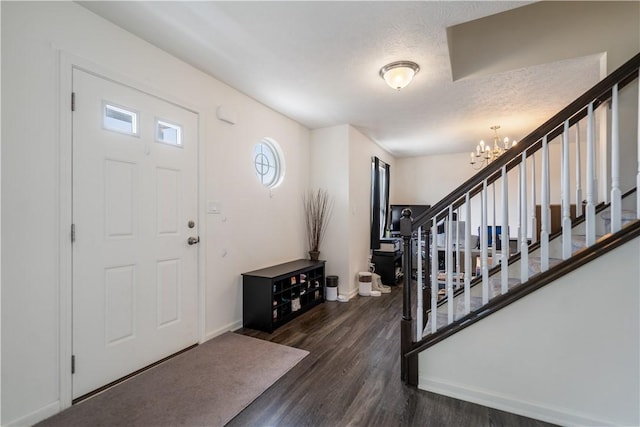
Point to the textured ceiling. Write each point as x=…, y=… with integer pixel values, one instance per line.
x=318, y=63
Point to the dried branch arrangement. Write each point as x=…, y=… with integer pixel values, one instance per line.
x=317, y=208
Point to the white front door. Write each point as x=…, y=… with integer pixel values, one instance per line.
x=135, y=287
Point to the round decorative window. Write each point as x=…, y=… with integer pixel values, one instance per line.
x=268, y=163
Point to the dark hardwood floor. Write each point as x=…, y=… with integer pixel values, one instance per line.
x=352, y=375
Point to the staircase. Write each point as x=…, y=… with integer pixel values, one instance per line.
x=482, y=328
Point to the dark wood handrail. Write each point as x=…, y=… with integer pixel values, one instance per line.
x=575, y=111
x=626, y=234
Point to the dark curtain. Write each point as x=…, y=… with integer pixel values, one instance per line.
x=379, y=200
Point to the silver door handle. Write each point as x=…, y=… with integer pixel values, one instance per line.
x=193, y=240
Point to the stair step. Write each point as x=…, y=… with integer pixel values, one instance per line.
x=495, y=285
x=579, y=241
x=442, y=320
x=626, y=217
x=475, y=303
x=535, y=264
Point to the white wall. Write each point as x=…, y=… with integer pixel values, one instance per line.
x=427, y=179
x=571, y=357
x=342, y=164
x=255, y=229
x=330, y=170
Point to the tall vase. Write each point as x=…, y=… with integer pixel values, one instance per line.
x=314, y=255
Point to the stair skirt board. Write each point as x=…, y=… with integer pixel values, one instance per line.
x=550, y=355
x=535, y=410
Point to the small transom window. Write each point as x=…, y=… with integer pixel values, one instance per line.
x=168, y=133
x=268, y=163
x=119, y=119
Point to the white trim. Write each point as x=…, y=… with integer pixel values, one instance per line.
x=202, y=231
x=0, y=231
x=65, y=298
x=228, y=327
x=536, y=410
x=36, y=416
x=67, y=62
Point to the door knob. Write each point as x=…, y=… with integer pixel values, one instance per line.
x=193, y=240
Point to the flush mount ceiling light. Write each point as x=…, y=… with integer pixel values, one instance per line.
x=399, y=74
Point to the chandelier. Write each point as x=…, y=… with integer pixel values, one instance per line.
x=485, y=153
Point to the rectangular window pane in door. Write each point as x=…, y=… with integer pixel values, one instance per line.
x=168, y=133
x=119, y=119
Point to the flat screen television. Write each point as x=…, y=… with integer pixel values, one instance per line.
x=396, y=215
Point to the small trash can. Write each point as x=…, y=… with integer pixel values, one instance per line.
x=364, y=283
x=332, y=288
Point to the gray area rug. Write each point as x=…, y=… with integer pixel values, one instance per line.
x=205, y=386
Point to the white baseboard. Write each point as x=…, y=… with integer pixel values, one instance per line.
x=352, y=293
x=536, y=410
x=228, y=327
x=36, y=416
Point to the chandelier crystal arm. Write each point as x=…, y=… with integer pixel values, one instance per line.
x=486, y=153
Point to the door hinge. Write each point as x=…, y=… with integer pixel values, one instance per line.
x=73, y=233
x=73, y=364
x=73, y=101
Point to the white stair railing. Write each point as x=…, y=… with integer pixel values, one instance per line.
x=489, y=209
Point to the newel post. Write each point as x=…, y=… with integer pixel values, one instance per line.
x=408, y=366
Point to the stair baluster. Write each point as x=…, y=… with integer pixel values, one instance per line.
x=504, y=263
x=545, y=225
x=616, y=195
x=638, y=174
x=524, y=247
x=566, y=195
x=591, y=205
x=533, y=220
x=457, y=247
x=467, y=254
x=578, y=174
x=419, y=286
x=449, y=264
x=434, y=275
x=493, y=225
x=483, y=246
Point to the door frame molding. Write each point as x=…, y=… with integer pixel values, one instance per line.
x=67, y=62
